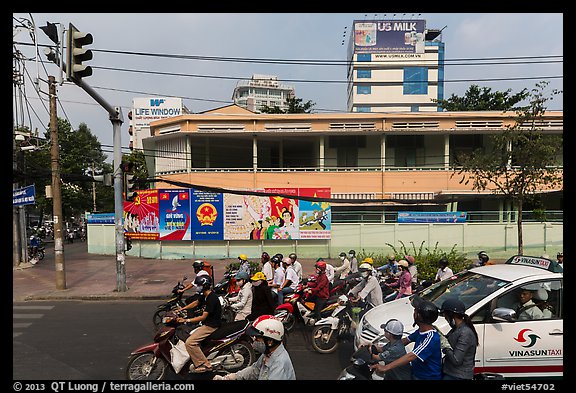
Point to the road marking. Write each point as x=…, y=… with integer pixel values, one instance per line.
x=32, y=307
x=24, y=316
x=20, y=325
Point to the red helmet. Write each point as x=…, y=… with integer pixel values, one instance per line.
x=320, y=265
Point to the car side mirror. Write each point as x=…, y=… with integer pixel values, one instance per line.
x=504, y=314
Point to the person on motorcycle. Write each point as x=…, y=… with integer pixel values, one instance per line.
x=291, y=280
x=391, y=268
x=394, y=349
x=368, y=289
x=275, y=362
x=444, y=272
x=297, y=265
x=353, y=261
x=211, y=319
x=279, y=275
x=483, y=259
x=404, y=281
x=560, y=258
x=35, y=243
x=244, y=264
x=263, y=302
x=320, y=292
x=241, y=304
x=426, y=356
x=267, y=268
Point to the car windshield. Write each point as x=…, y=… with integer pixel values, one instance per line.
x=467, y=286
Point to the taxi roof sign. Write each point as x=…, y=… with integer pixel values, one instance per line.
x=539, y=262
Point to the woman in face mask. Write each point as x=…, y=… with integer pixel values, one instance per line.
x=462, y=341
x=275, y=362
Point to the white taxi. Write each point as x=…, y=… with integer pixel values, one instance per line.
x=529, y=344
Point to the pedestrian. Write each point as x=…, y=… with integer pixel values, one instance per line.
x=290, y=280
x=463, y=339
x=426, y=355
x=353, y=261
x=241, y=304
x=267, y=268
x=211, y=319
x=297, y=265
x=394, y=349
x=320, y=292
x=368, y=290
x=263, y=302
x=404, y=281
x=444, y=271
x=275, y=362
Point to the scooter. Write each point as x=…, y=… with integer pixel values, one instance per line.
x=173, y=302
x=229, y=349
x=296, y=308
x=227, y=285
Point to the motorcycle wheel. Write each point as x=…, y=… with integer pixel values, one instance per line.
x=319, y=341
x=41, y=254
x=289, y=320
x=143, y=367
x=238, y=356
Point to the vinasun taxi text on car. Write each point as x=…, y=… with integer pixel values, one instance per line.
x=508, y=346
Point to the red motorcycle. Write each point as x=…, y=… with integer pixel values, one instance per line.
x=229, y=349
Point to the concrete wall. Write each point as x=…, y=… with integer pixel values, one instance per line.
x=499, y=240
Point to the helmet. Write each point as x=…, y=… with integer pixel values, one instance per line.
x=394, y=327
x=292, y=256
x=391, y=257
x=443, y=261
x=320, y=265
x=453, y=305
x=242, y=276
x=203, y=281
x=410, y=259
x=403, y=263
x=198, y=264
x=342, y=254
x=366, y=267
x=352, y=252
x=276, y=259
x=560, y=254
x=242, y=257
x=258, y=276
x=267, y=326
x=265, y=256
x=287, y=260
x=483, y=256
x=368, y=260
x=426, y=310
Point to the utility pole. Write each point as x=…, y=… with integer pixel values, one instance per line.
x=56, y=192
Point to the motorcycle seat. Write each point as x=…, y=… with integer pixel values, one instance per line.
x=229, y=329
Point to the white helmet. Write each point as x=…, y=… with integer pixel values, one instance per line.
x=267, y=326
x=365, y=266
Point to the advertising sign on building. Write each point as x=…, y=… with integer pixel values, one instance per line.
x=431, y=217
x=389, y=36
x=189, y=214
x=146, y=110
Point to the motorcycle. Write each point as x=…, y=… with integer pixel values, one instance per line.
x=340, y=325
x=297, y=308
x=227, y=285
x=173, y=302
x=229, y=349
x=361, y=360
x=35, y=254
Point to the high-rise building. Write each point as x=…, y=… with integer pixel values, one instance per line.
x=395, y=66
x=262, y=90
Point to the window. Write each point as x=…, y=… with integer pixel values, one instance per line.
x=542, y=300
x=414, y=108
x=364, y=57
x=415, y=80
x=364, y=89
x=363, y=109
x=364, y=73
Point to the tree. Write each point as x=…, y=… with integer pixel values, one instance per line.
x=519, y=162
x=483, y=99
x=295, y=105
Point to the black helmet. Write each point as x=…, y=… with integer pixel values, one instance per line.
x=352, y=252
x=276, y=259
x=483, y=256
x=426, y=310
x=453, y=305
x=443, y=262
x=293, y=256
x=198, y=264
x=203, y=281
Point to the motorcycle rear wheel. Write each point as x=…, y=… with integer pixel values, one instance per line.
x=239, y=356
x=320, y=343
x=143, y=367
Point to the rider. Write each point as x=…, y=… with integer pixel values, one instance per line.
x=193, y=301
x=353, y=261
x=404, y=282
x=394, y=349
x=483, y=258
x=321, y=291
x=291, y=280
x=244, y=264
x=297, y=265
x=368, y=289
x=263, y=302
x=211, y=319
x=34, y=244
x=275, y=362
x=241, y=304
x=267, y=268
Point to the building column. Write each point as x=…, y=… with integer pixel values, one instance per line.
x=207, y=149
x=321, y=153
x=446, y=151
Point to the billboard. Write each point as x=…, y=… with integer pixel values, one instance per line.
x=431, y=217
x=147, y=110
x=189, y=214
x=389, y=36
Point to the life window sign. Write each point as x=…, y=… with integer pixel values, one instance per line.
x=24, y=196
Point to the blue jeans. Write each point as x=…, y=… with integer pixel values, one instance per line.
x=284, y=291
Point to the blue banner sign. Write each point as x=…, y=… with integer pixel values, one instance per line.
x=100, y=218
x=431, y=217
x=24, y=196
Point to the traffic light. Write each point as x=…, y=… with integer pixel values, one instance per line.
x=75, y=70
x=129, y=181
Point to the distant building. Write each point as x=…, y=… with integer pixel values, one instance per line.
x=394, y=66
x=262, y=90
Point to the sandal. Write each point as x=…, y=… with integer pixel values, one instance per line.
x=201, y=369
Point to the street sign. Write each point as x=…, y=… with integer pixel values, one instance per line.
x=24, y=196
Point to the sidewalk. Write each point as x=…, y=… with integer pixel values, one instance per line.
x=93, y=277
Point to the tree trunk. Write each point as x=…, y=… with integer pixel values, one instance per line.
x=519, y=223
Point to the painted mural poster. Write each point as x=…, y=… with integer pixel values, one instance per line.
x=141, y=216
x=283, y=215
x=315, y=217
x=208, y=215
x=174, y=211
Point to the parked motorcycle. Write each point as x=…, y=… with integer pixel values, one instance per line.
x=35, y=254
x=229, y=349
x=297, y=308
x=328, y=332
x=173, y=302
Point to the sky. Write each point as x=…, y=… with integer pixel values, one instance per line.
x=526, y=45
